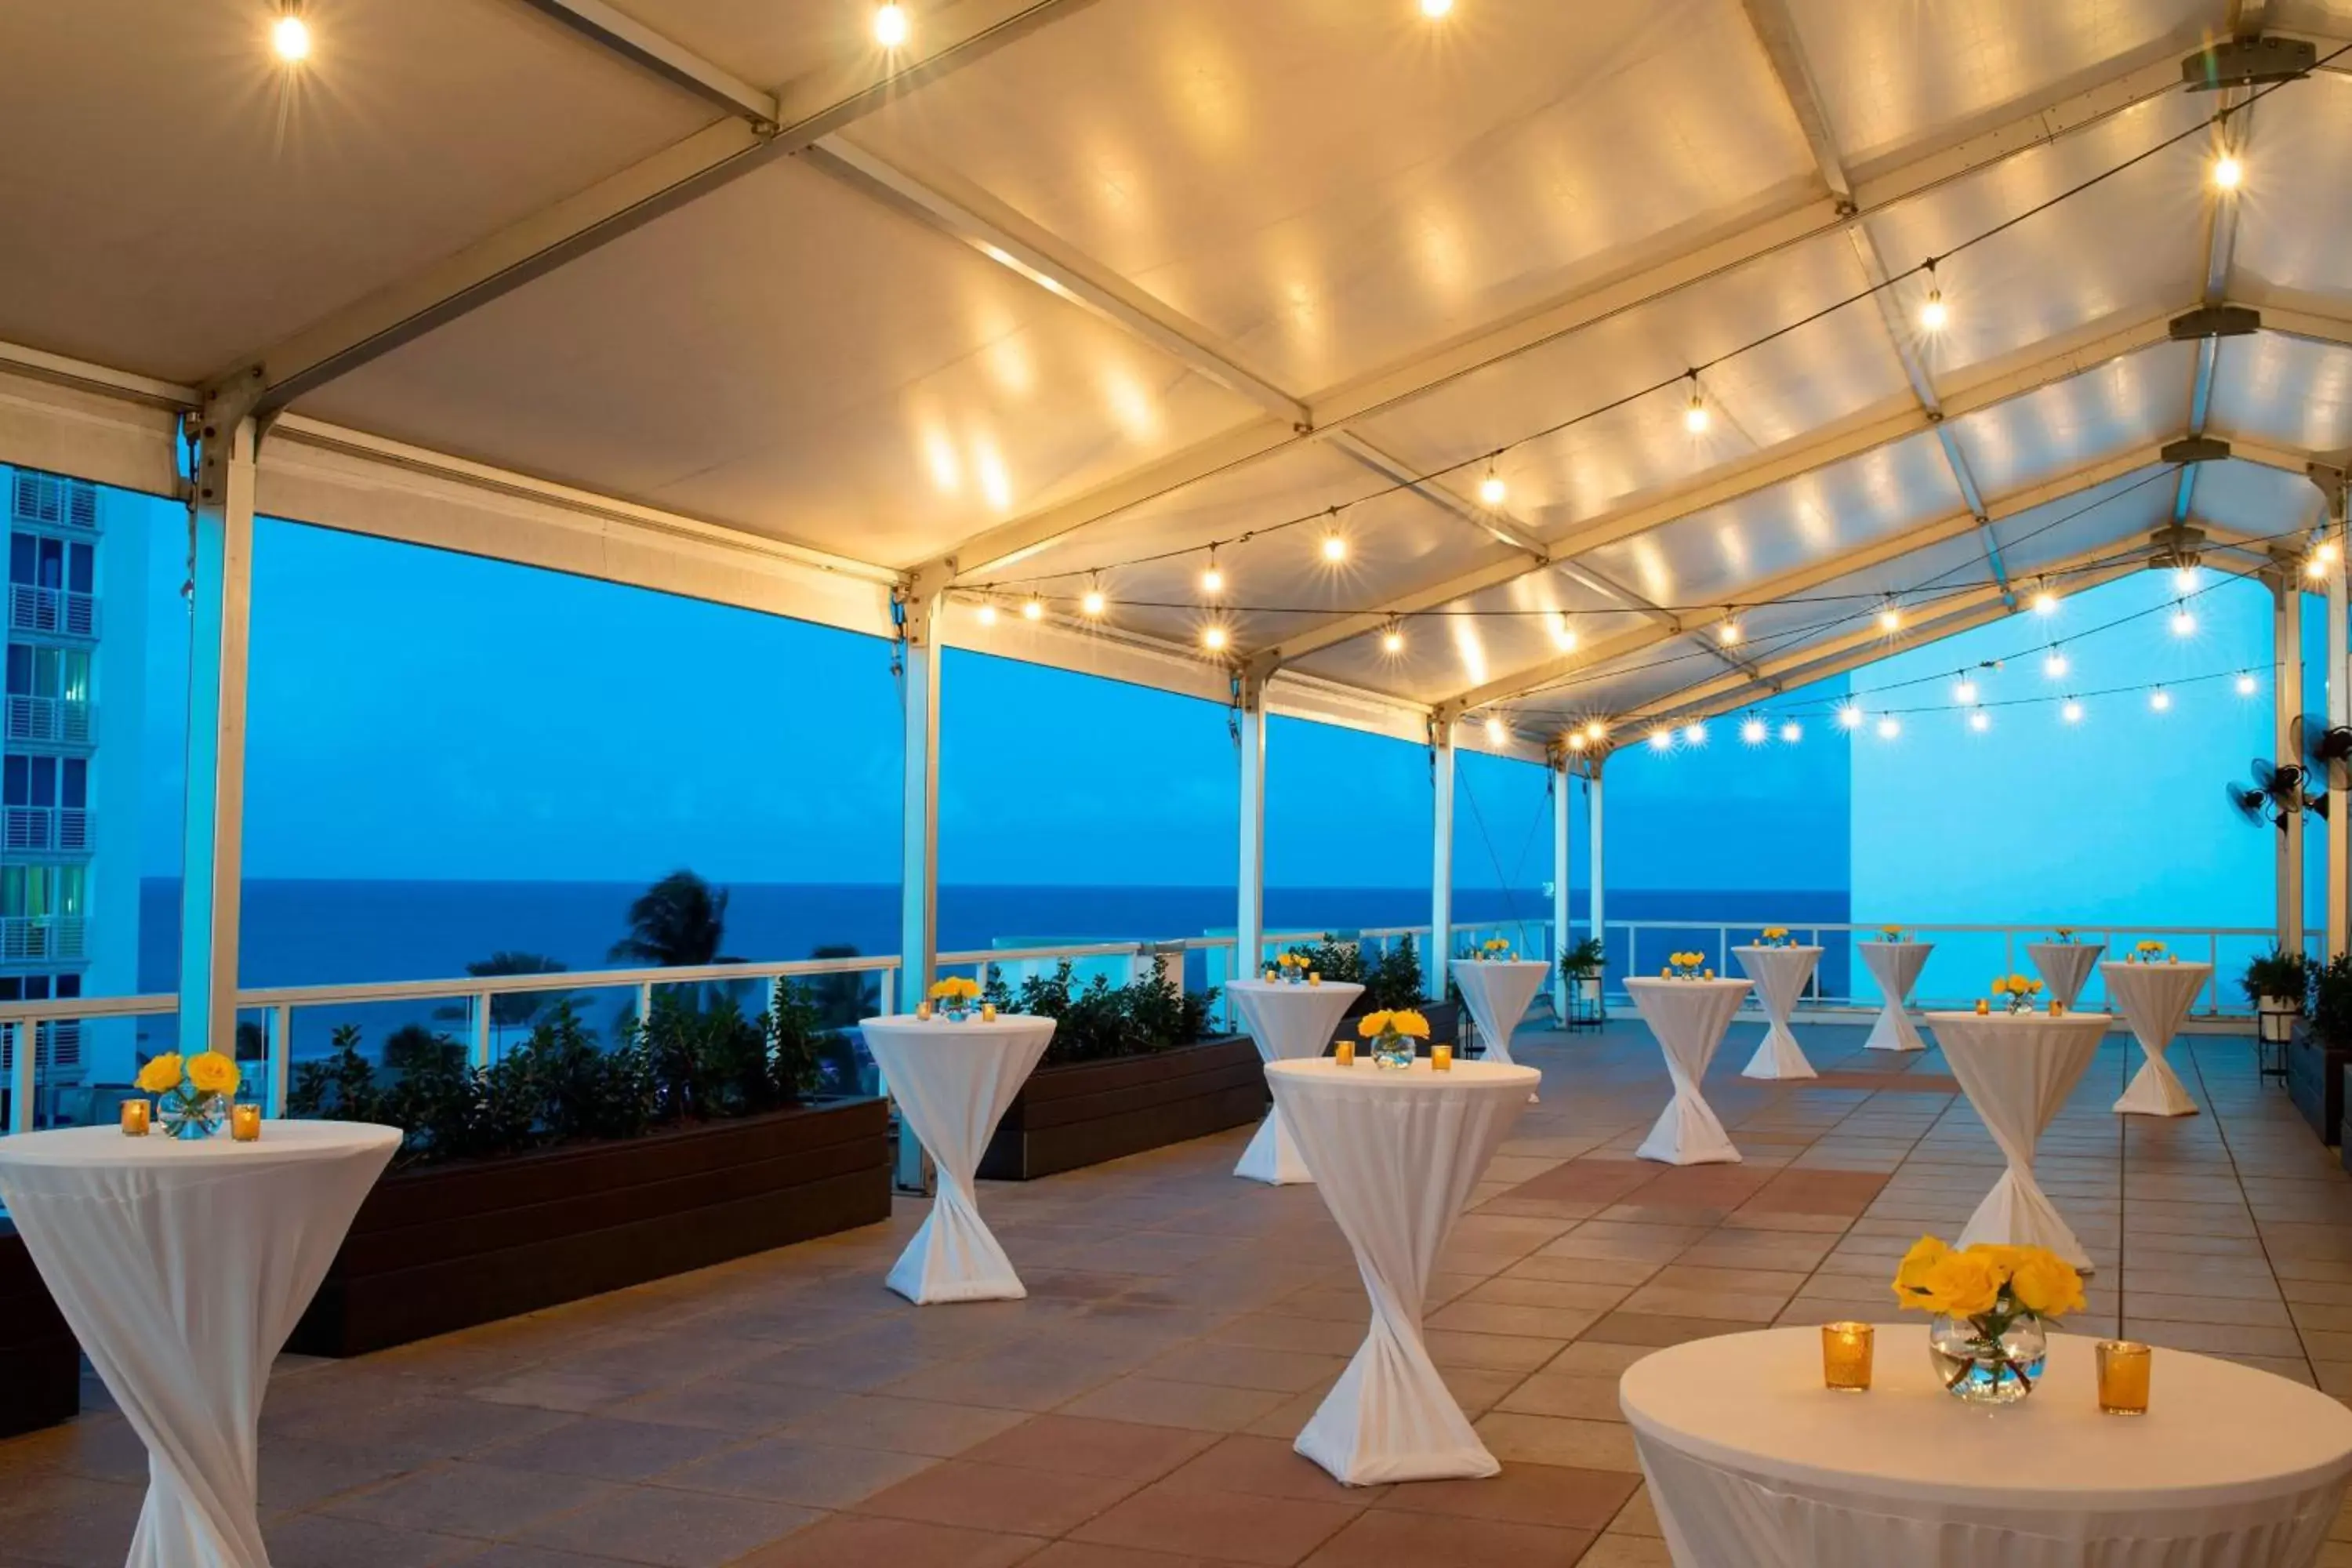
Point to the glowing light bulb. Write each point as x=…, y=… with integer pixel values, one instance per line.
x=987, y=614
x=1694, y=416
x=2183, y=622
x=2184, y=579
x=890, y=26
x=1694, y=733
x=1754, y=732
x=1890, y=619
x=1492, y=489
x=1212, y=579
x=1497, y=733
x=2246, y=684
x=2054, y=665
x=1392, y=641
x=1965, y=693
x=2313, y=567
x=1595, y=729
x=1728, y=633
x=1889, y=727
x=2228, y=173
x=1850, y=716
x=1662, y=740
x=1576, y=741
x=2328, y=552
x=1335, y=548
x=2160, y=699
x=2045, y=603
x=1433, y=9
x=2072, y=713
x=1792, y=732
x=1979, y=721
x=292, y=38
x=1212, y=638
x=1935, y=315
x=1093, y=602
x=1563, y=635
x=1033, y=608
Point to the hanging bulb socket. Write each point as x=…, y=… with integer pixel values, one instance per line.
x=1694, y=415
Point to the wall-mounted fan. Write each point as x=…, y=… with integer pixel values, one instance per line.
x=2329, y=752
x=2274, y=792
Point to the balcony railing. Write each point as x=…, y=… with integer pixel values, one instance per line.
x=29, y=938
x=55, y=610
x=55, y=720
x=60, y=1048
x=56, y=829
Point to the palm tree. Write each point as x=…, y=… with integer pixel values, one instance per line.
x=678, y=923
x=510, y=1009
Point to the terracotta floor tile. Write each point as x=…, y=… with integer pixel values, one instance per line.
x=1226, y=1526
x=852, y=1541
x=1564, y=1394
x=672, y=1528
x=998, y=1497
x=1385, y=1539
x=1156, y=1402
x=810, y=1475
x=1523, y=1493
x=1071, y=1445
x=903, y=1426
x=1559, y=1441
x=1658, y=1330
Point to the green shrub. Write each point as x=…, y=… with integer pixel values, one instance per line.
x=2331, y=1003
x=1101, y=1022
x=2278, y=973
x=1395, y=980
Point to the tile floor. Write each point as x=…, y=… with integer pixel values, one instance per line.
x=1136, y=1412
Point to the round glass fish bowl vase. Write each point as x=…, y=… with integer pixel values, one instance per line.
x=1988, y=1369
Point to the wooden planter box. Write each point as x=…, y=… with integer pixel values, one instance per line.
x=40, y=1365
x=1083, y=1113
x=448, y=1246
x=2315, y=1081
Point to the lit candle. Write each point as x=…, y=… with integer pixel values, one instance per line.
x=245, y=1123
x=2123, y=1377
x=1846, y=1356
x=1983, y=1007
x=922, y=1011
x=1270, y=974
x=134, y=1118
x=1441, y=1058
x=1313, y=977
x=2057, y=1009
x=1344, y=1053
x=988, y=1012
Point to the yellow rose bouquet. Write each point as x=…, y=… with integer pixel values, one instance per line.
x=1987, y=1342
x=1392, y=1032
x=2019, y=989
x=1773, y=936
x=2064, y=934
x=1890, y=933
x=1683, y=965
x=192, y=1093
x=1496, y=948
x=956, y=994
x=2146, y=952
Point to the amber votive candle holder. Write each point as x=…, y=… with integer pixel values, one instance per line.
x=2123, y=1376
x=1313, y=977
x=922, y=1012
x=136, y=1114
x=1344, y=1053
x=245, y=1123
x=988, y=1012
x=1441, y=1058
x=1847, y=1355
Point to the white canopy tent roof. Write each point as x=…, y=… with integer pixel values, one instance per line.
x=722, y=298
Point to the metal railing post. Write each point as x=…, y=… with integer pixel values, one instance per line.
x=281, y=1057
x=481, y=1028
x=25, y=1038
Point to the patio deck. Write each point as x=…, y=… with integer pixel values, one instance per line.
x=786, y=1412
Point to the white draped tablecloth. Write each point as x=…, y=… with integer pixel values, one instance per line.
x=1895, y=965
x=1288, y=1021
x=1688, y=1017
x=1498, y=991
x=1779, y=973
x=2154, y=999
x=182, y=1267
x=2064, y=966
x=953, y=1082
x=2017, y=1070
x=1753, y=1464
x=1395, y=1154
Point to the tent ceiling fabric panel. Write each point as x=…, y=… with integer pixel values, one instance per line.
x=1134, y=278
x=868, y=388
x=1333, y=186
x=177, y=200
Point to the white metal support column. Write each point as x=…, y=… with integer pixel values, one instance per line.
x=1563, y=784
x=2286, y=690
x=919, y=861
x=2339, y=714
x=221, y=557
x=1249, y=879
x=1441, y=872
x=1595, y=915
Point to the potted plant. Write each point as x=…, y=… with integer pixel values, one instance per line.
x=569, y=1168
x=2277, y=982
x=1581, y=966
x=1130, y=1068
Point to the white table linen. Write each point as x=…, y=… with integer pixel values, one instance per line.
x=1895, y=965
x=1396, y=1156
x=953, y=1082
x=1753, y=1464
x=2017, y=1070
x=2154, y=999
x=1688, y=1017
x=1287, y=1022
x=1779, y=973
x=182, y=1267
x=2064, y=966
x=1498, y=991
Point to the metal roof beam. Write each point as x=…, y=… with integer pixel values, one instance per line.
x=1643, y=279
x=807, y=110
x=634, y=41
